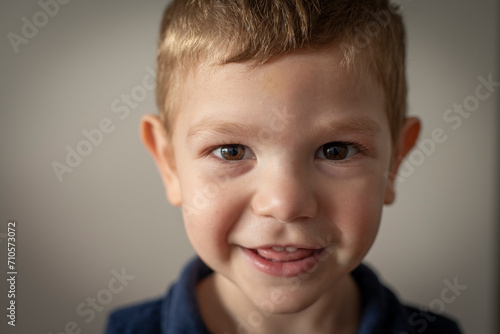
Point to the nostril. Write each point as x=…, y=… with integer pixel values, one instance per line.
x=285, y=198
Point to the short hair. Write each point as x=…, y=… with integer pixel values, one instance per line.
x=370, y=33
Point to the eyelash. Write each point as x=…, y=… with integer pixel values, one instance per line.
x=209, y=152
x=220, y=147
x=359, y=148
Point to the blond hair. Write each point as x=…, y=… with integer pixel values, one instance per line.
x=370, y=33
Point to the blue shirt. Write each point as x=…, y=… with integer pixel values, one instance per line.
x=178, y=311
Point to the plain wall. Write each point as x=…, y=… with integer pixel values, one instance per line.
x=110, y=212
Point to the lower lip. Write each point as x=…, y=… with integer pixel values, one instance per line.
x=282, y=269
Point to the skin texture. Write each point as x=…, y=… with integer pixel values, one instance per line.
x=283, y=190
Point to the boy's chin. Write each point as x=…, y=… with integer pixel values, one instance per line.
x=283, y=303
x=290, y=307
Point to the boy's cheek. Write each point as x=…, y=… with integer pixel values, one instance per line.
x=358, y=209
x=201, y=195
x=207, y=230
x=209, y=205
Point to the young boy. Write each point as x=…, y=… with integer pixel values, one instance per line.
x=282, y=125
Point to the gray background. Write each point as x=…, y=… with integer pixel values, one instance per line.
x=110, y=212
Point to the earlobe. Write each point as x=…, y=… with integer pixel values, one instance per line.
x=406, y=141
x=155, y=139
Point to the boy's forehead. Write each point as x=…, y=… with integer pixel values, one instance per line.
x=297, y=78
x=303, y=65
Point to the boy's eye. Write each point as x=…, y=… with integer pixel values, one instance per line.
x=337, y=151
x=230, y=152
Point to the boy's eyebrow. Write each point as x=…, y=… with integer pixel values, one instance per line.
x=358, y=125
x=225, y=128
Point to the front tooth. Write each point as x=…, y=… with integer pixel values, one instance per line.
x=291, y=249
x=279, y=249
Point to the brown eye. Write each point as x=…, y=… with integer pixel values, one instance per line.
x=231, y=152
x=337, y=151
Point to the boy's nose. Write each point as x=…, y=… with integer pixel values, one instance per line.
x=285, y=194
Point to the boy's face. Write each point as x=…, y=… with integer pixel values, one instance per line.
x=294, y=153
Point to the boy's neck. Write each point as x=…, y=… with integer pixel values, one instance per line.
x=226, y=310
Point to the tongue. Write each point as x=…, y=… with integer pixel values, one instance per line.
x=284, y=256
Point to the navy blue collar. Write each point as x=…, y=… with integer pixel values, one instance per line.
x=180, y=310
x=382, y=312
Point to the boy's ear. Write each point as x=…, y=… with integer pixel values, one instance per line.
x=155, y=139
x=407, y=139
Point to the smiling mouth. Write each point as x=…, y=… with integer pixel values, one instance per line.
x=284, y=254
x=283, y=261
